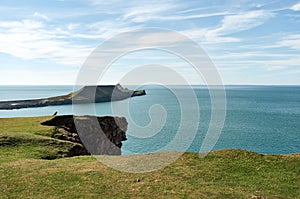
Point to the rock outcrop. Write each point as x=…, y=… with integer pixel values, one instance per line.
x=99, y=135
x=87, y=94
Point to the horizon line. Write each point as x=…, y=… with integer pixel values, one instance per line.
x=152, y=84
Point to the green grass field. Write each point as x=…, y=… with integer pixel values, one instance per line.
x=34, y=165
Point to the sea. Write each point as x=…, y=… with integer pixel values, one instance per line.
x=263, y=119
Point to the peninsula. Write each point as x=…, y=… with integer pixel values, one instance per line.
x=87, y=94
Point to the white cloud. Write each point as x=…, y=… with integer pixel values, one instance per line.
x=39, y=15
x=240, y=22
x=163, y=12
x=268, y=65
x=26, y=24
x=273, y=68
x=72, y=26
x=231, y=23
x=29, y=39
x=165, y=17
x=105, y=29
x=146, y=12
x=296, y=7
x=68, y=36
x=205, y=37
x=237, y=23
x=292, y=41
x=195, y=16
x=292, y=62
x=38, y=77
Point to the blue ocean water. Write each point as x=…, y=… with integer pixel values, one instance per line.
x=264, y=119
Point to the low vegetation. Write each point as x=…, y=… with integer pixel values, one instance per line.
x=34, y=165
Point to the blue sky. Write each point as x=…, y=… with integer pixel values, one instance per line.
x=250, y=42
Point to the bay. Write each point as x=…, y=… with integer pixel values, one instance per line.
x=264, y=119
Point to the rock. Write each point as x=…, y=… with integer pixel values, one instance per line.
x=138, y=93
x=258, y=197
x=99, y=135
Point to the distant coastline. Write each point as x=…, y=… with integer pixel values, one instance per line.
x=87, y=94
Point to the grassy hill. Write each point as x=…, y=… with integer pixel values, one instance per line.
x=34, y=165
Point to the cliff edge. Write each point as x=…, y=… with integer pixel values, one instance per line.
x=97, y=135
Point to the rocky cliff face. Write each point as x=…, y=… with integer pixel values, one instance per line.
x=98, y=135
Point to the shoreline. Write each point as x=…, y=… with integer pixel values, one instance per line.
x=38, y=119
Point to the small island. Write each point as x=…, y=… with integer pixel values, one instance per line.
x=87, y=94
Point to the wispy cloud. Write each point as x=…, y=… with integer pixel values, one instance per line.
x=244, y=35
x=240, y=22
x=164, y=13
x=29, y=39
x=146, y=12
x=26, y=24
x=230, y=24
x=292, y=41
x=39, y=15
x=43, y=77
x=296, y=7
x=204, y=36
x=106, y=29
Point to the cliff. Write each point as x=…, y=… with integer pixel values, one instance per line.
x=97, y=135
x=87, y=94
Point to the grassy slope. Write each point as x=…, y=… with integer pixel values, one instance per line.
x=25, y=173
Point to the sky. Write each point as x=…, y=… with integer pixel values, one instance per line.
x=250, y=42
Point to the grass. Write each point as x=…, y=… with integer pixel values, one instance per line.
x=27, y=172
x=25, y=138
